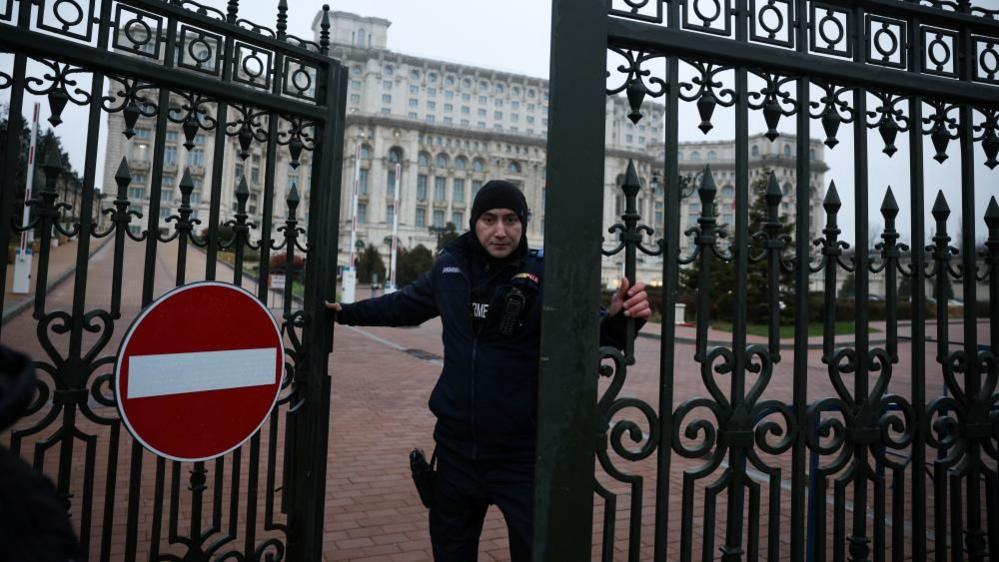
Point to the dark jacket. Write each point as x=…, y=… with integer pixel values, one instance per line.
x=33, y=521
x=486, y=398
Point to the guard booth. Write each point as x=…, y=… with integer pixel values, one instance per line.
x=709, y=445
x=234, y=136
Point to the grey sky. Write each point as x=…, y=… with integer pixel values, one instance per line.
x=514, y=36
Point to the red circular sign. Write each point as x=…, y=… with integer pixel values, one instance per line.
x=199, y=371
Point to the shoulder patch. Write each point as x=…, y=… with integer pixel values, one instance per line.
x=451, y=269
x=538, y=253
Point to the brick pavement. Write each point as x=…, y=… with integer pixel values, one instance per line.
x=379, y=412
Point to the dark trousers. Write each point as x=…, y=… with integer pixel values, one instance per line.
x=463, y=491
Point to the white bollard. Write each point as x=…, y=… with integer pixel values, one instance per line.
x=349, y=286
x=22, y=272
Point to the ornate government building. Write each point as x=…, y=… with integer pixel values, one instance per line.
x=451, y=128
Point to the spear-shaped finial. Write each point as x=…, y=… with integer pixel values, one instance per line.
x=292, y=200
x=773, y=193
x=832, y=203
x=52, y=166
x=123, y=177
x=941, y=210
x=889, y=207
x=324, y=31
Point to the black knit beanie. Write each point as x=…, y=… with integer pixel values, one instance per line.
x=499, y=194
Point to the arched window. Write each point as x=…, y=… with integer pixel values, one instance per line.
x=365, y=152
x=441, y=160
x=787, y=150
x=466, y=83
x=432, y=77
x=513, y=167
x=787, y=188
x=499, y=88
x=360, y=38
x=423, y=159
x=755, y=151
x=414, y=74
x=460, y=163
x=811, y=154
x=712, y=156
x=388, y=70
x=395, y=155
x=728, y=191
x=479, y=165
x=679, y=156
x=695, y=156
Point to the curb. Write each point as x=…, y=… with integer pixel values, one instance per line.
x=28, y=303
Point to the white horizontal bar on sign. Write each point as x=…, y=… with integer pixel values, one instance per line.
x=177, y=373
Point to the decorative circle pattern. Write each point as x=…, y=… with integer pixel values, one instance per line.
x=989, y=60
x=253, y=67
x=768, y=13
x=138, y=32
x=840, y=32
x=885, y=33
x=199, y=50
x=74, y=15
x=716, y=11
x=301, y=79
x=938, y=44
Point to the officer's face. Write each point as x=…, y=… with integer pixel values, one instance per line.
x=499, y=232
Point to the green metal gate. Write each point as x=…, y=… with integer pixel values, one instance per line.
x=868, y=450
x=175, y=77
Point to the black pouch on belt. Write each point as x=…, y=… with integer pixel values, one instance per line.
x=423, y=475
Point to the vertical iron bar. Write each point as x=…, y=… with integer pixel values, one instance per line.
x=218, y=161
x=802, y=235
x=737, y=455
x=671, y=282
x=859, y=542
x=567, y=390
x=918, y=299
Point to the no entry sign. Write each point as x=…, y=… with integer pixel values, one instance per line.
x=198, y=371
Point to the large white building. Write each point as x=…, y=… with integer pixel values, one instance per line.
x=450, y=128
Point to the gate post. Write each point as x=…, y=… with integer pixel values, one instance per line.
x=567, y=410
x=311, y=432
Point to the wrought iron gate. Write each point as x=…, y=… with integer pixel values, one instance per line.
x=868, y=449
x=176, y=77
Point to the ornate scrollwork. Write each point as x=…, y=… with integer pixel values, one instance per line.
x=987, y=132
x=705, y=90
x=638, y=81
x=889, y=119
x=834, y=111
x=59, y=84
x=298, y=136
x=774, y=102
x=942, y=128
x=247, y=128
x=193, y=115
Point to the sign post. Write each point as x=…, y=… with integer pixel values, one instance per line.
x=22, y=260
x=391, y=286
x=199, y=371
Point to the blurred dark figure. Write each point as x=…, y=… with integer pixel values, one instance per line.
x=34, y=526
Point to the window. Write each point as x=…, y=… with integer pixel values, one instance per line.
x=530, y=107
x=441, y=160
x=497, y=115
x=695, y=156
x=413, y=102
x=438, y=219
x=395, y=155
x=355, y=98
x=432, y=77
x=365, y=152
x=362, y=213
x=360, y=38
x=787, y=150
x=390, y=184
x=530, y=93
x=414, y=89
x=387, y=84
x=480, y=124
x=466, y=83
x=448, y=108
x=386, y=111
x=414, y=74
x=238, y=171
x=458, y=191
x=530, y=119
x=482, y=113
x=172, y=136
x=196, y=157
x=449, y=95
x=514, y=117
x=412, y=115
x=431, y=91
x=476, y=186
x=440, y=189
x=460, y=163
x=513, y=167
x=629, y=138
x=293, y=180
x=390, y=214
x=515, y=90
x=729, y=218
x=386, y=98
x=167, y=181
x=478, y=165
x=466, y=97
x=142, y=133
x=421, y=216
x=499, y=102
x=170, y=155
x=465, y=110
x=362, y=182
x=421, y=187
x=166, y=196
x=483, y=85
x=712, y=156
x=457, y=219
x=448, y=121
x=515, y=104
x=430, y=118
x=755, y=151
x=464, y=123
x=483, y=99
x=499, y=88
x=423, y=159
x=136, y=193
x=431, y=105
x=728, y=191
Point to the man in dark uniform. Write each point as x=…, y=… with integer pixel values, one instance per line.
x=486, y=287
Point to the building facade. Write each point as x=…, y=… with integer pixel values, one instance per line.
x=449, y=128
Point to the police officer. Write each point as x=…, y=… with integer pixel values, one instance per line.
x=486, y=287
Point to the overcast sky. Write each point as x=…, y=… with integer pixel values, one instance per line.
x=514, y=36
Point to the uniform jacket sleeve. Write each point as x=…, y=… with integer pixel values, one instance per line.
x=613, y=329
x=410, y=306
